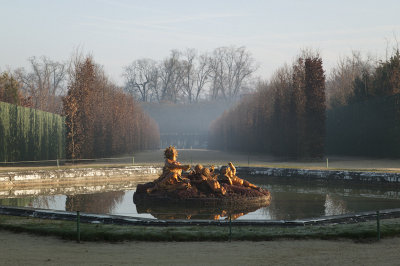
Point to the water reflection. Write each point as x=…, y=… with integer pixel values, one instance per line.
x=334, y=205
x=94, y=203
x=176, y=211
x=286, y=205
x=291, y=199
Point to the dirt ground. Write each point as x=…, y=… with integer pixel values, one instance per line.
x=25, y=249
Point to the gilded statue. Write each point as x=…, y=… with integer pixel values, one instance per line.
x=228, y=175
x=177, y=194
x=171, y=177
x=205, y=181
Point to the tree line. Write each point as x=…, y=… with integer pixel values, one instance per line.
x=285, y=117
x=100, y=118
x=187, y=76
x=357, y=78
x=299, y=114
x=182, y=77
x=364, y=117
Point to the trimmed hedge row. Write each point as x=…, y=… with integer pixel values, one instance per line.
x=28, y=134
x=368, y=128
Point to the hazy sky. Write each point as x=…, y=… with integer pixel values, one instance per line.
x=118, y=32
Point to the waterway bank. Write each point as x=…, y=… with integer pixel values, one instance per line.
x=366, y=176
x=54, y=178
x=39, y=177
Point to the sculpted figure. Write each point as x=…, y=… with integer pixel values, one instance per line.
x=228, y=175
x=202, y=178
x=212, y=182
x=171, y=177
x=223, y=194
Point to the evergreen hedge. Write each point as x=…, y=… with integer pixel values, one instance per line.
x=369, y=128
x=28, y=134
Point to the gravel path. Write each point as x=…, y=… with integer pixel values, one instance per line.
x=25, y=249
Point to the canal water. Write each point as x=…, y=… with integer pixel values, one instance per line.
x=291, y=199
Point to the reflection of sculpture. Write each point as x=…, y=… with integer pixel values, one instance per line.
x=181, y=211
x=202, y=186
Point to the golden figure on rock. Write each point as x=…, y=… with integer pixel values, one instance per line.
x=228, y=175
x=205, y=181
x=171, y=177
x=200, y=192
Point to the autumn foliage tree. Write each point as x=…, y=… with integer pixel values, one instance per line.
x=101, y=119
x=10, y=91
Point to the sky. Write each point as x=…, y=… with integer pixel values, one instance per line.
x=117, y=32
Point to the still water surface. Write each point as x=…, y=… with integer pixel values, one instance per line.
x=291, y=199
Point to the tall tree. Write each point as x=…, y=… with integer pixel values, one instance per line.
x=315, y=109
x=11, y=91
x=171, y=77
x=78, y=108
x=101, y=119
x=387, y=76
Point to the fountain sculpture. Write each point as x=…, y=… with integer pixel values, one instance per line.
x=200, y=192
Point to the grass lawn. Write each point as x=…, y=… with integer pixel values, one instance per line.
x=365, y=231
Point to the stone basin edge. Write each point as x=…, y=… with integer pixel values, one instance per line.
x=57, y=175
x=338, y=175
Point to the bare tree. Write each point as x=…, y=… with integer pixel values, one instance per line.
x=171, y=77
x=217, y=70
x=195, y=74
x=139, y=76
x=155, y=85
x=230, y=67
x=202, y=75
x=188, y=74
x=340, y=84
x=45, y=83
x=184, y=76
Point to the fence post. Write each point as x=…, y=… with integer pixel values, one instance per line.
x=133, y=160
x=378, y=226
x=78, y=230
x=230, y=227
x=58, y=163
x=327, y=163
